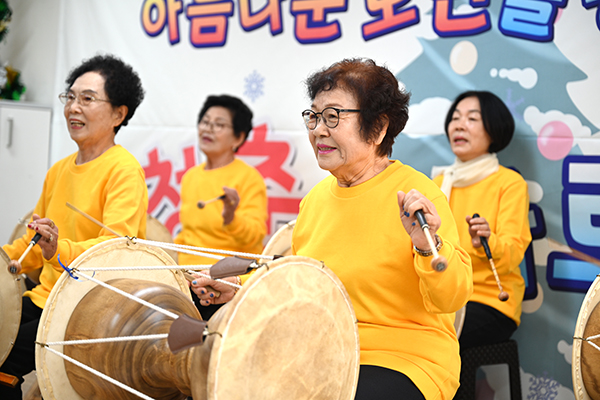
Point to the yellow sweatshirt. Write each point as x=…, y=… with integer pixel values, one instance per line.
x=404, y=308
x=503, y=200
x=204, y=227
x=110, y=188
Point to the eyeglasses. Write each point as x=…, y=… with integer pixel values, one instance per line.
x=329, y=115
x=85, y=99
x=216, y=127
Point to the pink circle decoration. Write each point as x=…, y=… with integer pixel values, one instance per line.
x=555, y=140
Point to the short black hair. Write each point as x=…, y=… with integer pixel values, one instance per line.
x=497, y=119
x=376, y=91
x=122, y=84
x=241, y=115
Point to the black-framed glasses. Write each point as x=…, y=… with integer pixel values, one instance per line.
x=85, y=99
x=329, y=115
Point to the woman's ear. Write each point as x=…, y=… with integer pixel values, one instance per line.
x=119, y=114
x=383, y=131
x=238, y=141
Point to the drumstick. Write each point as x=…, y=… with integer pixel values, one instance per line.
x=202, y=204
x=503, y=296
x=439, y=263
x=34, y=240
x=94, y=220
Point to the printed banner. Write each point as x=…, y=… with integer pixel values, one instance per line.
x=542, y=57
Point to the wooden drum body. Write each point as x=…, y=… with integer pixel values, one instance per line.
x=54, y=376
x=10, y=309
x=289, y=333
x=585, y=365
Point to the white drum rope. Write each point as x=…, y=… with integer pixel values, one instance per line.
x=150, y=267
x=200, y=250
x=589, y=340
x=108, y=340
x=100, y=374
x=223, y=281
x=184, y=268
x=128, y=295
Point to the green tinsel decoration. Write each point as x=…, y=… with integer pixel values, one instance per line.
x=13, y=88
x=5, y=14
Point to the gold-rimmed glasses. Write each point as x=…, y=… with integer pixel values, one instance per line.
x=85, y=99
x=215, y=126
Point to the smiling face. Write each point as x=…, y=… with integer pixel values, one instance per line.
x=92, y=126
x=341, y=150
x=216, y=136
x=466, y=133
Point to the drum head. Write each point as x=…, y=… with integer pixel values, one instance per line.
x=289, y=333
x=586, y=358
x=67, y=292
x=281, y=241
x=10, y=311
x=157, y=232
x=20, y=229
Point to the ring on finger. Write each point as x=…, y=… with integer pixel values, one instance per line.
x=51, y=238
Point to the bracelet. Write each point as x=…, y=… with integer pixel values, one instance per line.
x=238, y=281
x=429, y=253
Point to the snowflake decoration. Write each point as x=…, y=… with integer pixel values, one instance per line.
x=253, y=87
x=542, y=388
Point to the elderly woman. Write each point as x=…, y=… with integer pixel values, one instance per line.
x=102, y=179
x=479, y=125
x=236, y=221
x=360, y=221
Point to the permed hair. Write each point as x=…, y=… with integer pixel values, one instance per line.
x=122, y=84
x=377, y=92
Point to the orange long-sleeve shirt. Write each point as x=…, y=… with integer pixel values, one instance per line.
x=503, y=200
x=404, y=308
x=204, y=227
x=110, y=188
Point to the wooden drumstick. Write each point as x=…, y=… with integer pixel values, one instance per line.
x=202, y=204
x=503, y=296
x=439, y=263
x=34, y=240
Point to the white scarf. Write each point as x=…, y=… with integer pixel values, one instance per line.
x=462, y=174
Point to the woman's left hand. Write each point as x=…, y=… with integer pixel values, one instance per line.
x=49, y=231
x=414, y=201
x=230, y=203
x=202, y=284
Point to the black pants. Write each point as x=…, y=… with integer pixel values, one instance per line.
x=485, y=325
x=21, y=359
x=205, y=311
x=378, y=383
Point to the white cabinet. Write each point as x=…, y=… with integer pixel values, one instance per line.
x=24, y=159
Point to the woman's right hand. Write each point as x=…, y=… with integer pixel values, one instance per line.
x=49, y=231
